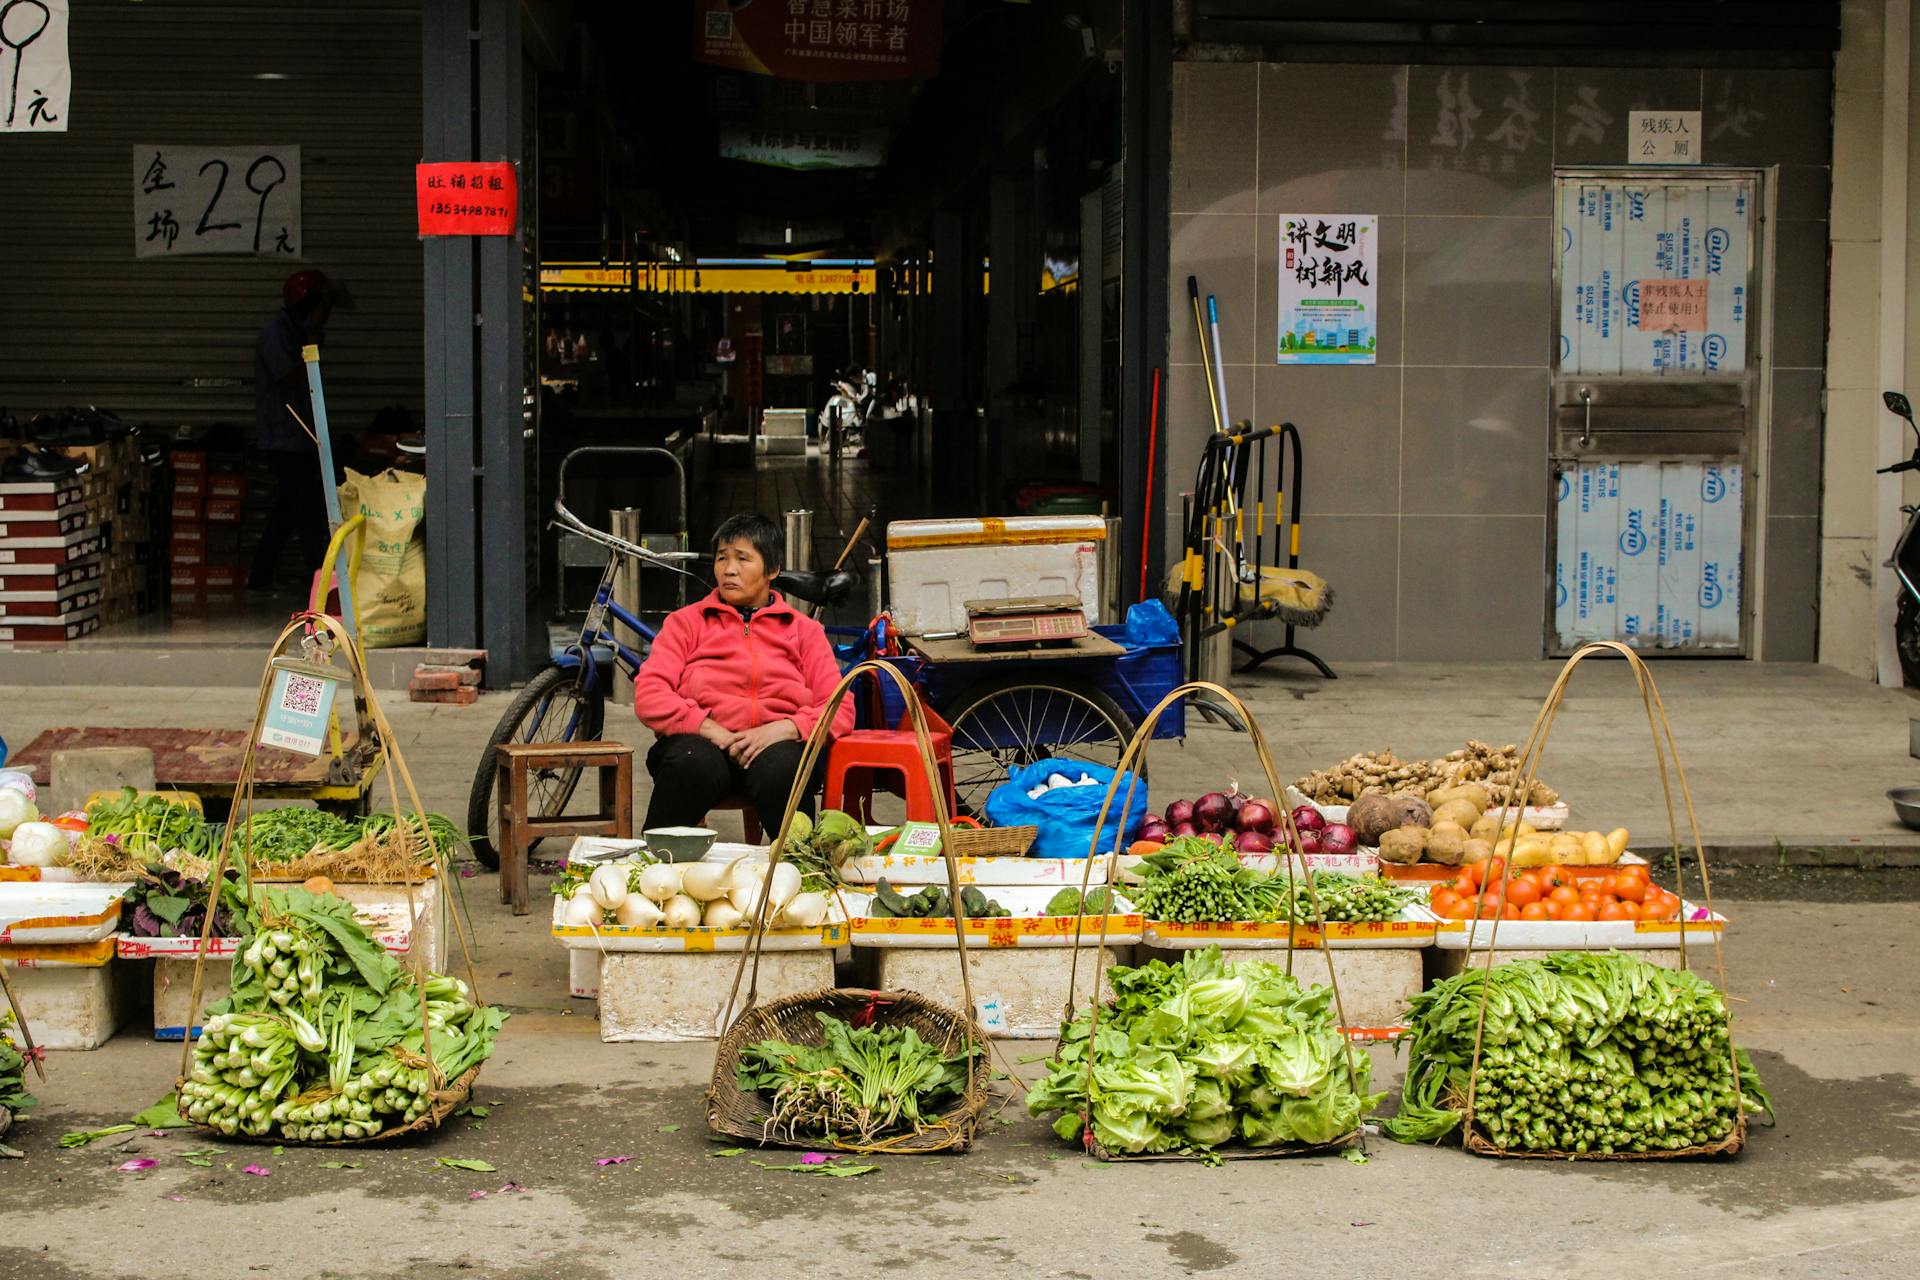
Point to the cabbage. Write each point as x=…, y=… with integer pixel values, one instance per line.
x=15, y=809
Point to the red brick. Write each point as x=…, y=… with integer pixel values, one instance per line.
x=425, y=680
x=465, y=696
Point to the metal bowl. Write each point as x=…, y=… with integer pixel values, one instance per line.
x=1906, y=805
x=680, y=844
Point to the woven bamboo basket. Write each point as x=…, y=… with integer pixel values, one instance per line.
x=1231, y=1152
x=738, y=1113
x=993, y=842
x=444, y=1102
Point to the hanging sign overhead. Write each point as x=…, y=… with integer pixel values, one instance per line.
x=231, y=200
x=1663, y=137
x=467, y=198
x=804, y=148
x=35, y=77
x=820, y=39
x=1328, y=269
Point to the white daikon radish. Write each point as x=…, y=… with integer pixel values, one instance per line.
x=806, y=911
x=703, y=881
x=660, y=881
x=580, y=910
x=744, y=872
x=746, y=901
x=682, y=912
x=786, y=883
x=721, y=915
x=609, y=887
x=639, y=912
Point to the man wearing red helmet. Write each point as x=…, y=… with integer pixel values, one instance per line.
x=282, y=418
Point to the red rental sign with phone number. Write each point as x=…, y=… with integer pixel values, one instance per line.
x=463, y=198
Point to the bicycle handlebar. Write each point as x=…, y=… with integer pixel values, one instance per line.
x=660, y=559
x=1908, y=465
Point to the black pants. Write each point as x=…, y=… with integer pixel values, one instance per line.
x=300, y=511
x=691, y=776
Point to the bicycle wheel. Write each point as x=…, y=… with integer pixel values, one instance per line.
x=554, y=707
x=1008, y=722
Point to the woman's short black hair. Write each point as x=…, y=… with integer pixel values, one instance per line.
x=752, y=527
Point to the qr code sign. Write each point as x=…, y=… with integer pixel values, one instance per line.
x=719, y=26
x=302, y=695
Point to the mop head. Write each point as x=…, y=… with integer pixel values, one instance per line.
x=1298, y=597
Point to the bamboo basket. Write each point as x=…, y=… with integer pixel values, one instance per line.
x=1664, y=752
x=1130, y=759
x=733, y=1112
x=993, y=842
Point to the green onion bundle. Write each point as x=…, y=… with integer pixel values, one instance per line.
x=1196, y=881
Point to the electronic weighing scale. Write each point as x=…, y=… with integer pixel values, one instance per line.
x=1026, y=622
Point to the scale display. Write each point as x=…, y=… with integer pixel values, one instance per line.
x=1039, y=621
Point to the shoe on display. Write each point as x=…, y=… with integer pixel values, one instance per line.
x=36, y=464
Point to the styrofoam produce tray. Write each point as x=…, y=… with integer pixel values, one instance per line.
x=45, y=912
x=128, y=947
x=1026, y=927
x=595, y=849
x=1365, y=862
x=1581, y=935
x=1415, y=927
x=1552, y=817
x=1427, y=875
x=901, y=869
x=39, y=875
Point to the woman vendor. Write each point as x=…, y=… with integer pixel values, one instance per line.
x=733, y=686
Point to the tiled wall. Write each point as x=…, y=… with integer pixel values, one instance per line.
x=1426, y=474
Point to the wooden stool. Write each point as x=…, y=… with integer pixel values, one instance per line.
x=513, y=761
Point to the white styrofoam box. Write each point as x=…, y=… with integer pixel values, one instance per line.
x=935, y=566
x=173, y=992
x=385, y=911
x=1415, y=928
x=1375, y=985
x=615, y=938
x=1701, y=927
x=901, y=869
x=781, y=446
x=1447, y=963
x=1018, y=993
x=664, y=996
x=1026, y=927
x=583, y=974
x=1721, y=533
x=45, y=912
x=77, y=1007
x=784, y=422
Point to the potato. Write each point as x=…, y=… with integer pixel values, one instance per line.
x=1598, y=853
x=1617, y=842
x=1476, y=852
x=1461, y=812
x=1534, y=855
x=1470, y=792
x=1447, y=843
x=1403, y=845
x=1485, y=827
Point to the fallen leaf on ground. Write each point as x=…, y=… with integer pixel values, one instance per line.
x=730, y=1151
x=164, y=1114
x=1354, y=1155
x=339, y=1164
x=604, y=1161
x=472, y=1166
x=474, y=1109
x=81, y=1137
x=668, y=1128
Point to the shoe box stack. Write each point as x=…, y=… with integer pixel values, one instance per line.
x=77, y=551
x=206, y=564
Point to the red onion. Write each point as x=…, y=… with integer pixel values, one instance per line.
x=1236, y=798
x=1338, y=837
x=1153, y=829
x=1211, y=812
x=1256, y=815
x=1252, y=842
x=1310, y=842
x=1178, y=812
x=1183, y=829
x=1308, y=818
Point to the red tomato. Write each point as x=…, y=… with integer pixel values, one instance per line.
x=1443, y=900
x=1535, y=911
x=1615, y=911
x=1632, y=909
x=1555, y=875
x=1566, y=895
x=1510, y=912
x=1492, y=871
x=1555, y=909
x=1523, y=892
x=1629, y=888
x=1463, y=909
x=1638, y=870
x=1576, y=912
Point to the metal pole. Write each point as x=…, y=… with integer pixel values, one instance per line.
x=1111, y=589
x=876, y=594
x=625, y=523
x=799, y=534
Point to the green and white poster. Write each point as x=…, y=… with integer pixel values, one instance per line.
x=1328, y=267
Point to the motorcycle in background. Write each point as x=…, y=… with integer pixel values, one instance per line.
x=1906, y=556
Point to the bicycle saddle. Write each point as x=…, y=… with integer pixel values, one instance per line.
x=817, y=588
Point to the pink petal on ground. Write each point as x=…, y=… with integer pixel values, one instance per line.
x=478, y=1195
x=134, y=1166
x=813, y=1157
x=509, y=1188
x=175, y=1199
x=607, y=1160
x=257, y=1171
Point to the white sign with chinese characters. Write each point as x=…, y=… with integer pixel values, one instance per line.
x=36, y=79
x=1663, y=137
x=1328, y=266
x=230, y=200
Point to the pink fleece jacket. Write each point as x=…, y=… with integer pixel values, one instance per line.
x=707, y=661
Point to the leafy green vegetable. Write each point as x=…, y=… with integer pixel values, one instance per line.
x=1195, y=881
x=149, y=826
x=471, y=1166
x=13, y=1069
x=861, y=1082
x=1068, y=902
x=81, y=1137
x=1199, y=1054
x=164, y=1114
x=1580, y=1053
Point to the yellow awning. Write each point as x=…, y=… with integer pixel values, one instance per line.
x=592, y=278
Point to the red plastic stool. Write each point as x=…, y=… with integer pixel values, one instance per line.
x=856, y=757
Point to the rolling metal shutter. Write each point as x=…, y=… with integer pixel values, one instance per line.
x=171, y=341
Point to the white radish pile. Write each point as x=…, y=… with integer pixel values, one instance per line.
x=683, y=895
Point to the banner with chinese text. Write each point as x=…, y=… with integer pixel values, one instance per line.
x=232, y=200
x=467, y=198
x=820, y=39
x=1328, y=268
